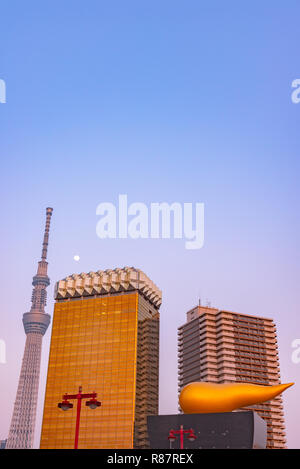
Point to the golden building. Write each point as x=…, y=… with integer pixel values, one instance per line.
x=105, y=338
x=219, y=346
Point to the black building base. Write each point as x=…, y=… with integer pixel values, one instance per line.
x=232, y=430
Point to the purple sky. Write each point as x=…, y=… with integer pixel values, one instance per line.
x=164, y=102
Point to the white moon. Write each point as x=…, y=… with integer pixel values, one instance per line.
x=76, y=258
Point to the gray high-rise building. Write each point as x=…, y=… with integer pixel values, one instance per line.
x=220, y=346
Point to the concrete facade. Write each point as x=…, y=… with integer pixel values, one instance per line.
x=221, y=346
x=228, y=430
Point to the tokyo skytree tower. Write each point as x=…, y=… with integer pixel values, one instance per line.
x=36, y=322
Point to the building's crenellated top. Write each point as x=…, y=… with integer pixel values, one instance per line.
x=108, y=281
x=202, y=310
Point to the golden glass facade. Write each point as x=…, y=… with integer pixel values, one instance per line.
x=94, y=345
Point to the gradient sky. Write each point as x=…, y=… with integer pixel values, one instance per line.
x=163, y=101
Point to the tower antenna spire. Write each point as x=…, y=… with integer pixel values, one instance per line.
x=46, y=233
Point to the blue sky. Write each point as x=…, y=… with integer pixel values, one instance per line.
x=163, y=101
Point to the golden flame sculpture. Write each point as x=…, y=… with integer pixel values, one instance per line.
x=202, y=397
